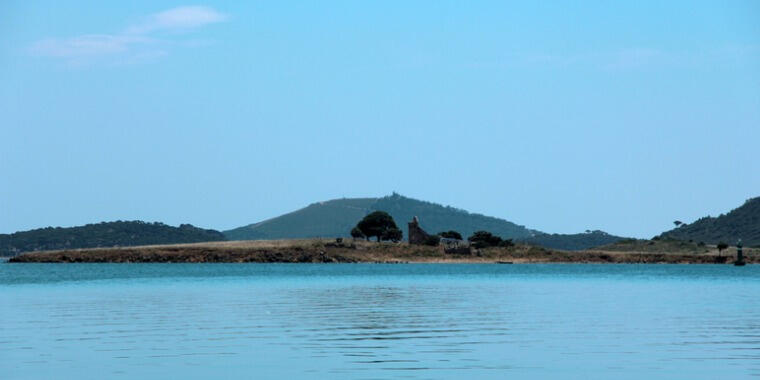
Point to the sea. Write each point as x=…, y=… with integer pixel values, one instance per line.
x=379, y=321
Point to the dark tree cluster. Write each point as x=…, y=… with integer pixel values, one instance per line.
x=357, y=233
x=450, y=235
x=485, y=239
x=573, y=242
x=432, y=240
x=380, y=225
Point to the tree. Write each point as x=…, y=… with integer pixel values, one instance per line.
x=506, y=243
x=433, y=240
x=484, y=239
x=721, y=247
x=381, y=225
x=450, y=235
x=678, y=223
x=357, y=233
x=395, y=235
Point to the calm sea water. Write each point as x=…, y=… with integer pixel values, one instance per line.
x=373, y=321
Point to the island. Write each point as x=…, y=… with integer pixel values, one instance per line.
x=362, y=251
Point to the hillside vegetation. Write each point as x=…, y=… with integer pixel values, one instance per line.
x=333, y=218
x=573, y=242
x=741, y=223
x=106, y=234
x=661, y=246
x=434, y=217
x=337, y=217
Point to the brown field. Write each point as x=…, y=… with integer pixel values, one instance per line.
x=327, y=251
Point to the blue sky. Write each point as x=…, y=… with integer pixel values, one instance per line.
x=558, y=116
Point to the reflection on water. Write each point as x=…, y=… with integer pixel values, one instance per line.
x=419, y=322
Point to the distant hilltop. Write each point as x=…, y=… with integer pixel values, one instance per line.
x=740, y=223
x=335, y=218
x=106, y=234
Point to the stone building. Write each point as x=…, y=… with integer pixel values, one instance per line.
x=455, y=246
x=416, y=234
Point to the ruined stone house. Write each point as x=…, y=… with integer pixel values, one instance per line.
x=416, y=234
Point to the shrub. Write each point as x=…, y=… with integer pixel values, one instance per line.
x=394, y=234
x=357, y=233
x=722, y=246
x=484, y=239
x=450, y=235
x=433, y=240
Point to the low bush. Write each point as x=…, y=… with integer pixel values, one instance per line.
x=433, y=240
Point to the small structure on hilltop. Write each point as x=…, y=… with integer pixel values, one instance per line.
x=417, y=235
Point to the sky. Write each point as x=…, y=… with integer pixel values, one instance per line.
x=561, y=116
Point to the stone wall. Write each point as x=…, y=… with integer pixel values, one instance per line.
x=455, y=246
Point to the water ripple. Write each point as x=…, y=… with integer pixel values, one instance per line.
x=423, y=326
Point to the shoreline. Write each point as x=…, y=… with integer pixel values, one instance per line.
x=329, y=251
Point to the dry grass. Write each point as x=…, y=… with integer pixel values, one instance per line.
x=328, y=250
x=670, y=247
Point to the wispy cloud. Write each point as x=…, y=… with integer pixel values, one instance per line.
x=87, y=45
x=145, y=38
x=177, y=19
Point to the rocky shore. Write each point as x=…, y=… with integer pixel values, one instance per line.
x=325, y=251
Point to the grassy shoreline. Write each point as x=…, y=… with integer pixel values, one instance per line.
x=329, y=251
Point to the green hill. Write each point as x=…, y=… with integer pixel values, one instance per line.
x=741, y=223
x=573, y=242
x=322, y=219
x=106, y=234
x=335, y=218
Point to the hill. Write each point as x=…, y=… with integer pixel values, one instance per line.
x=435, y=218
x=335, y=218
x=657, y=246
x=740, y=223
x=322, y=219
x=106, y=234
x=573, y=242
